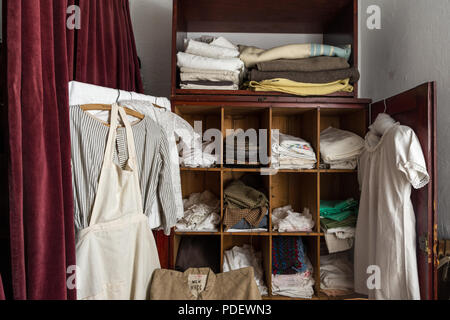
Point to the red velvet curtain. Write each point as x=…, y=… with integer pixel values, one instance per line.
x=42, y=56
x=106, y=50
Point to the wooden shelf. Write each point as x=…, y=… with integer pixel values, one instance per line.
x=299, y=188
x=303, y=117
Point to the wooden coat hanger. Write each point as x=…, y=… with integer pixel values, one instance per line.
x=107, y=107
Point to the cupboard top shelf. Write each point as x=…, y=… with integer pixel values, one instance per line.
x=259, y=16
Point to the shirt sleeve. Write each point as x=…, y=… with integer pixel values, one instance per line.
x=410, y=159
x=165, y=188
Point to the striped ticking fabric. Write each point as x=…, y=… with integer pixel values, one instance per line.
x=89, y=137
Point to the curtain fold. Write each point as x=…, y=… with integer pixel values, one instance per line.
x=2, y=293
x=106, y=51
x=42, y=56
x=40, y=197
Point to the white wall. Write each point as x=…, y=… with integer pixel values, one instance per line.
x=412, y=47
x=152, y=24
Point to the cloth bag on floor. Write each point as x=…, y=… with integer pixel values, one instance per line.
x=116, y=254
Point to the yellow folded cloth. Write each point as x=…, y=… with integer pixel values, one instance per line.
x=302, y=89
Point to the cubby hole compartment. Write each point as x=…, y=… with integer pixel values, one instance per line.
x=195, y=181
x=339, y=186
x=251, y=120
x=264, y=24
x=259, y=244
x=349, y=119
x=206, y=120
x=253, y=179
x=199, y=251
x=312, y=250
x=297, y=122
x=300, y=190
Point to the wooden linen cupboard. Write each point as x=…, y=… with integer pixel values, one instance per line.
x=304, y=117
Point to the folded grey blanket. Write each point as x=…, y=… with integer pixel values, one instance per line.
x=305, y=65
x=308, y=77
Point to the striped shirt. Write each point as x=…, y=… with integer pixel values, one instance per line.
x=89, y=137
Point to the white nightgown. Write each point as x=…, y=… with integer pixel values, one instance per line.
x=386, y=228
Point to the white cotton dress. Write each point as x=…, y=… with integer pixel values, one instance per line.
x=392, y=162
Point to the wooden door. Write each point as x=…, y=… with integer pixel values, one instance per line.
x=416, y=108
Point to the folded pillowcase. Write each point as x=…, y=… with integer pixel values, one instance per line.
x=192, y=61
x=304, y=65
x=209, y=50
x=338, y=145
x=307, y=77
x=188, y=74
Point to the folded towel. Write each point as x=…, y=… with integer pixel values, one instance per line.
x=197, y=62
x=340, y=145
x=240, y=196
x=209, y=50
x=338, y=210
x=302, y=89
x=252, y=55
x=307, y=77
x=304, y=65
x=200, y=87
x=188, y=74
x=208, y=83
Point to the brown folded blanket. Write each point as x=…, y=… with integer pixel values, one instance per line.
x=209, y=83
x=252, y=216
x=307, y=77
x=305, y=65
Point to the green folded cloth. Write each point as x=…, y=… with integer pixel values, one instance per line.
x=338, y=210
x=328, y=224
x=240, y=196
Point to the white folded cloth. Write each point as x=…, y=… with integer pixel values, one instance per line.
x=201, y=213
x=335, y=244
x=202, y=87
x=290, y=152
x=189, y=74
x=336, y=272
x=198, y=62
x=285, y=219
x=340, y=145
x=350, y=164
x=210, y=50
x=300, y=285
x=243, y=257
x=198, y=155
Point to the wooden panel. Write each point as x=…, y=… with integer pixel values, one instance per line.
x=286, y=16
x=416, y=108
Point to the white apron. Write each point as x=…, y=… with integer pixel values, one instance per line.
x=116, y=254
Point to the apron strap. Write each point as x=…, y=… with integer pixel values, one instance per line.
x=116, y=110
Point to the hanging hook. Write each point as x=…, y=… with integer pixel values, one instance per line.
x=385, y=106
x=117, y=100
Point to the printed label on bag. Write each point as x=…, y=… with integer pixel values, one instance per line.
x=197, y=283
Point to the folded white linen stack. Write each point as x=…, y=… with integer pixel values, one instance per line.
x=284, y=219
x=240, y=150
x=336, y=273
x=201, y=213
x=290, y=152
x=211, y=65
x=299, y=285
x=243, y=257
x=198, y=155
x=340, y=149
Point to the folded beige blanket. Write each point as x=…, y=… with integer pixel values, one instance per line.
x=189, y=74
x=305, y=65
